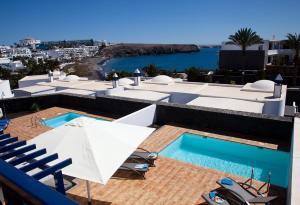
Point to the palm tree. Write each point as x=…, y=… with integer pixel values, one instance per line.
x=245, y=37
x=294, y=42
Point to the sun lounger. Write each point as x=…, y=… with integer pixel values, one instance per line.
x=4, y=120
x=242, y=194
x=2, y=128
x=3, y=124
x=138, y=168
x=214, y=198
x=49, y=181
x=145, y=155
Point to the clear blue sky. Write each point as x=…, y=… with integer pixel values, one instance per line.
x=148, y=21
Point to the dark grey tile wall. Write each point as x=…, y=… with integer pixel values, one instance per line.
x=250, y=124
x=236, y=60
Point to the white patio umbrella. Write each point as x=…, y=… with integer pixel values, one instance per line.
x=97, y=148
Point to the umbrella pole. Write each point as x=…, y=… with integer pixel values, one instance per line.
x=88, y=192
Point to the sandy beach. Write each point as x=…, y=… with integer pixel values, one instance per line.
x=89, y=67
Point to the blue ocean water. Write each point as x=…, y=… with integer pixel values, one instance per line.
x=207, y=58
x=231, y=157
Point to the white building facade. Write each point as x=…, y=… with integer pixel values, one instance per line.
x=29, y=42
x=21, y=52
x=274, y=49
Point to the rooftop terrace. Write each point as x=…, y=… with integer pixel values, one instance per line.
x=170, y=182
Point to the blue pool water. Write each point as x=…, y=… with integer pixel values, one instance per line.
x=207, y=58
x=62, y=119
x=231, y=157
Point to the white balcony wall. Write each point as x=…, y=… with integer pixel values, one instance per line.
x=144, y=117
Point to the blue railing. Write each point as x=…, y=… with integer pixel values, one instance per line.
x=28, y=190
x=17, y=186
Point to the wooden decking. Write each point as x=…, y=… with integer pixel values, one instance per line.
x=27, y=126
x=170, y=182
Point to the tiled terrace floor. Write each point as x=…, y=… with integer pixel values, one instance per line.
x=170, y=182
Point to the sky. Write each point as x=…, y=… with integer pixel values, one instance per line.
x=146, y=21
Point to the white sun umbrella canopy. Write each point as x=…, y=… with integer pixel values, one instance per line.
x=97, y=148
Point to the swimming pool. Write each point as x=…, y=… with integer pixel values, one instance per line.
x=231, y=157
x=64, y=118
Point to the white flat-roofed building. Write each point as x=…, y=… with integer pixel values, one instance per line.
x=21, y=52
x=4, y=61
x=5, y=51
x=39, y=56
x=78, y=92
x=256, y=94
x=31, y=42
x=35, y=79
x=253, y=97
x=228, y=104
x=11, y=65
x=16, y=65
x=142, y=95
x=31, y=80
x=55, y=54
x=34, y=90
x=182, y=87
x=94, y=86
x=280, y=48
x=61, y=84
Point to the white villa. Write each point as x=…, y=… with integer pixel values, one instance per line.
x=273, y=49
x=11, y=65
x=29, y=42
x=5, y=51
x=21, y=52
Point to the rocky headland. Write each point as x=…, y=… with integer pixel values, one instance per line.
x=124, y=50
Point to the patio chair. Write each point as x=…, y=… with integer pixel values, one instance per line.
x=242, y=193
x=138, y=168
x=145, y=155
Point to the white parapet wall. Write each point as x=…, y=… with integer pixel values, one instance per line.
x=5, y=90
x=274, y=107
x=294, y=185
x=144, y=117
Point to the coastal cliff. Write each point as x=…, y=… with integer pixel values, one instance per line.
x=123, y=50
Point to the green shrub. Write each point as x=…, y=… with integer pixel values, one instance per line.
x=35, y=107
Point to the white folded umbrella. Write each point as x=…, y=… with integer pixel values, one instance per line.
x=97, y=148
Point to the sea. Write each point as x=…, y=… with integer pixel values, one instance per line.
x=206, y=58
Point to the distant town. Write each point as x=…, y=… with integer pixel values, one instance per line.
x=63, y=51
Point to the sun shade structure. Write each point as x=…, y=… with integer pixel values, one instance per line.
x=97, y=148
